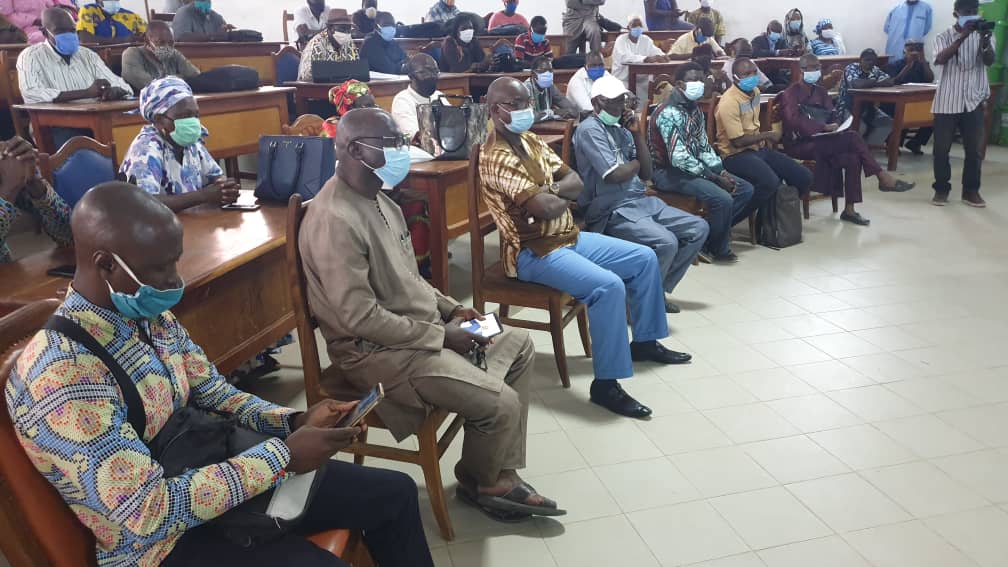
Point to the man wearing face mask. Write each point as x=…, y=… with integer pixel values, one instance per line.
x=614, y=161
x=365, y=18
x=910, y=19
x=380, y=48
x=333, y=44
x=309, y=19
x=197, y=21
x=156, y=59
x=108, y=21
x=665, y=15
x=705, y=11
x=528, y=190
x=771, y=43
x=169, y=158
x=702, y=35
x=580, y=25
x=423, y=74
x=580, y=86
x=547, y=101
x=635, y=47
x=128, y=247
x=442, y=11
x=533, y=43
x=865, y=74
x=509, y=16
x=383, y=322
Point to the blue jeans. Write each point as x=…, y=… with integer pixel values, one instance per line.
x=604, y=273
x=724, y=209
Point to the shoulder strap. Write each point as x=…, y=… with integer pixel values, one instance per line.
x=134, y=405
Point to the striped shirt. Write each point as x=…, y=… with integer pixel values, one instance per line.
x=963, y=84
x=43, y=74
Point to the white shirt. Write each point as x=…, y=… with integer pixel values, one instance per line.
x=43, y=74
x=303, y=15
x=579, y=89
x=626, y=51
x=404, y=112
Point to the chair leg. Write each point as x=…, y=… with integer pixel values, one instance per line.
x=836, y=206
x=557, y=331
x=362, y=439
x=505, y=311
x=805, y=205
x=752, y=229
x=431, y=465
x=585, y=334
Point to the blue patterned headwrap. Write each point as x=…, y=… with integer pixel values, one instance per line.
x=162, y=94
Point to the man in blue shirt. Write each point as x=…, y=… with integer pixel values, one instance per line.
x=911, y=19
x=380, y=49
x=614, y=162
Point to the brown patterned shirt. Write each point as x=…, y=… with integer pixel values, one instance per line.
x=509, y=181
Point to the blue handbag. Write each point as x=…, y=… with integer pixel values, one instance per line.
x=293, y=164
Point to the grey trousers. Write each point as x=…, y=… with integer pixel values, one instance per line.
x=579, y=31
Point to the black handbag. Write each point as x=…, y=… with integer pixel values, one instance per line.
x=816, y=113
x=448, y=132
x=194, y=438
x=228, y=78
x=293, y=164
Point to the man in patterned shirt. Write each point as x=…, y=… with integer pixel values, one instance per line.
x=333, y=44
x=528, y=190
x=865, y=74
x=22, y=190
x=442, y=11
x=685, y=162
x=70, y=416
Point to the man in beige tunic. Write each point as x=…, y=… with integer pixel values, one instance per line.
x=383, y=323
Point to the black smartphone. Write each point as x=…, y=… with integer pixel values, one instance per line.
x=364, y=407
x=489, y=327
x=63, y=271
x=241, y=207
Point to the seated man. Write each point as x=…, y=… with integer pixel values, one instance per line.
x=169, y=158
x=739, y=49
x=333, y=44
x=580, y=85
x=127, y=242
x=702, y=35
x=156, y=59
x=685, y=162
x=380, y=48
x=614, y=161
x=442, y=11
x=547, y=101
x=22, y=190
x=423, y=75
x=864, y=74
x=383, y=323
x=806, y=109
x=665, y=15
x=705, y=12
x=635, y=47
x=913, y=67
x=745, y=150
x=197, y=21
x=107, y=21
x=533, y=43
x=309, y=20
x=509, y=16
x=528, y=190
x=772, y=42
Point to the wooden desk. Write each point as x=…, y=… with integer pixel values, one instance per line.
x=383, y=90
x=236, y=302
x=255, y=54
x=913, y=110
x=663, y=39
x=235, y=120
x=479, y=83
x=773, y=64
x=638, y=69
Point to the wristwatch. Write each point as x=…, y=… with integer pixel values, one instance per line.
x=553, y=188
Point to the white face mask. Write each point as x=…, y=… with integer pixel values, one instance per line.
x=466, y=35
x=371, y=12
x=705, y=3
x=341, y=37
x=828, y=34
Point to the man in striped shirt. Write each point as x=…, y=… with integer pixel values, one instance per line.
x=964, y=53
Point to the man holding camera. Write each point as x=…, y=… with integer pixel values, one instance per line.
x=964, y=51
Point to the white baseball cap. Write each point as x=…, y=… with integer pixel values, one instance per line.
x=609, y=87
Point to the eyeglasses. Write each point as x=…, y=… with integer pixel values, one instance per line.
x=517, y=104
x=398, y=142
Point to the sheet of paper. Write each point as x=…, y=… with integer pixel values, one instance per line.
x=846, y=125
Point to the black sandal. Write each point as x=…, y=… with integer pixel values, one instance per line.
x=465, y=494
x=900, y=187
x=514, y=501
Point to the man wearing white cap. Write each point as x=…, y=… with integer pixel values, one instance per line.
x=614, y=162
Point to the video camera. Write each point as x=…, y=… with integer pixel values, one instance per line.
x=985, y=26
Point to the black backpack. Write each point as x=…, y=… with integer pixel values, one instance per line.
x=780, y=219
x=228, y=78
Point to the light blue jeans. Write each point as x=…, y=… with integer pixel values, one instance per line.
x=605, y=273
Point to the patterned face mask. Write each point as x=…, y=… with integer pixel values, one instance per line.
x=163, y=52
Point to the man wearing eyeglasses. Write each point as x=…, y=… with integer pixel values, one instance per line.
x=383, y=323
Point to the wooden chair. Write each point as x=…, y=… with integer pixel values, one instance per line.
x=305, y=125
x=11, y=92
x=78, y=166
x=808, y=197
x=287, y=18
x=431, y=448
x=286, y=62
x=162, y=16
x=490, y=284
x=567, y=146
x=37, y=528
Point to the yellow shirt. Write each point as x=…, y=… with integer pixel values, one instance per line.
x=737, y=114
x=687, y=43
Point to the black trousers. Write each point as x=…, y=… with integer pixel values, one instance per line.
x=971, y=129
x=379, y=502
x=766, y=169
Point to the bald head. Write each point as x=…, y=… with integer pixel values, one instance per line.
x=363, y=123
x=504, y=89
x=506, y=95
x=57, y=20
x=361, y=140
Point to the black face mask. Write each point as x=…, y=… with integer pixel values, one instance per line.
x=425, y=87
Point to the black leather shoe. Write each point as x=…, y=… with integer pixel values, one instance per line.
x=855, y=218
x=610, y=395
x=653, y=351
x=670, y=306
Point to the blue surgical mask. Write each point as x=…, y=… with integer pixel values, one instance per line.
x=148, y=302
x=812, y=77
x=963, y=20
x=695, y=90
x=510, y=8
x=387, y=32
x=538, y=37
x=521, y=121
x=795, y=26
x=636, y=32
x=202, y=6
x=544, y=79
x=595, y=73
x=397, y=165
x=774, y=37
x=67, y=43
x=700, y=37
x=111, y=6
x=749, y=83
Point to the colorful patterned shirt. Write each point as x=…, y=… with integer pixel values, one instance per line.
x=150, y=164
x=684, y=129
x=509, y=181
x=69, y=415
x=853, y=72
x=123, y=24
x=526, y=50
x=320, y=48
x=441, y=12
x=50, y=209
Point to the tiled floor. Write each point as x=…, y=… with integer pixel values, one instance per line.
x=848, y=407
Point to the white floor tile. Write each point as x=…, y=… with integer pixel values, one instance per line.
x=986, y=424
x=684, y=432
x=980, y=534
x=826, y=552
x=773, y=384
x=580, y=493
x=598, y=543
x=854, y=319
x=842, y=345
x=862, y=447
x=548, y=453
x=814, y=413
x=933, y=394
x=848, y=503
x=874, y=403
x=923, y=489
x=884, y=367
x=819, y=303
x=791, y=352
x=762, y=331
x=794, y=459
x=891, y=338
x=983, y=472
x=751, y=422
x=744, y=560
x=614, y=443
x=928, y=436
x=910, y=544
x=807, y=325
x=440, y=555
x=527, y=549
x=989, y=385
x=723, y=471
x=769, y=517
x=640, y=485
x=830, y=375
x=718, y=392
x=687, y=533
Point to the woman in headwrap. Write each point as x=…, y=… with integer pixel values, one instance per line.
x=827, y=41
x=794, y=31
x=346, y=97
x=168, y=157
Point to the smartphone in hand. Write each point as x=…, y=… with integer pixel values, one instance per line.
x=364, y=407
x=489, y=327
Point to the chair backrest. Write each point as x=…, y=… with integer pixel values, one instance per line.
x=567, y=146
x=434, y=50
x=653, y=85
x=162, y=16
x=305, y=125
x=312, y=366
x=285, y=64
x=476, y=231
x=10, y=91
x=37, y=528
x=78, y=166
x=287, y=17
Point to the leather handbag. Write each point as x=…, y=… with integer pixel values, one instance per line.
x=448, y=132
x=293, y=164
